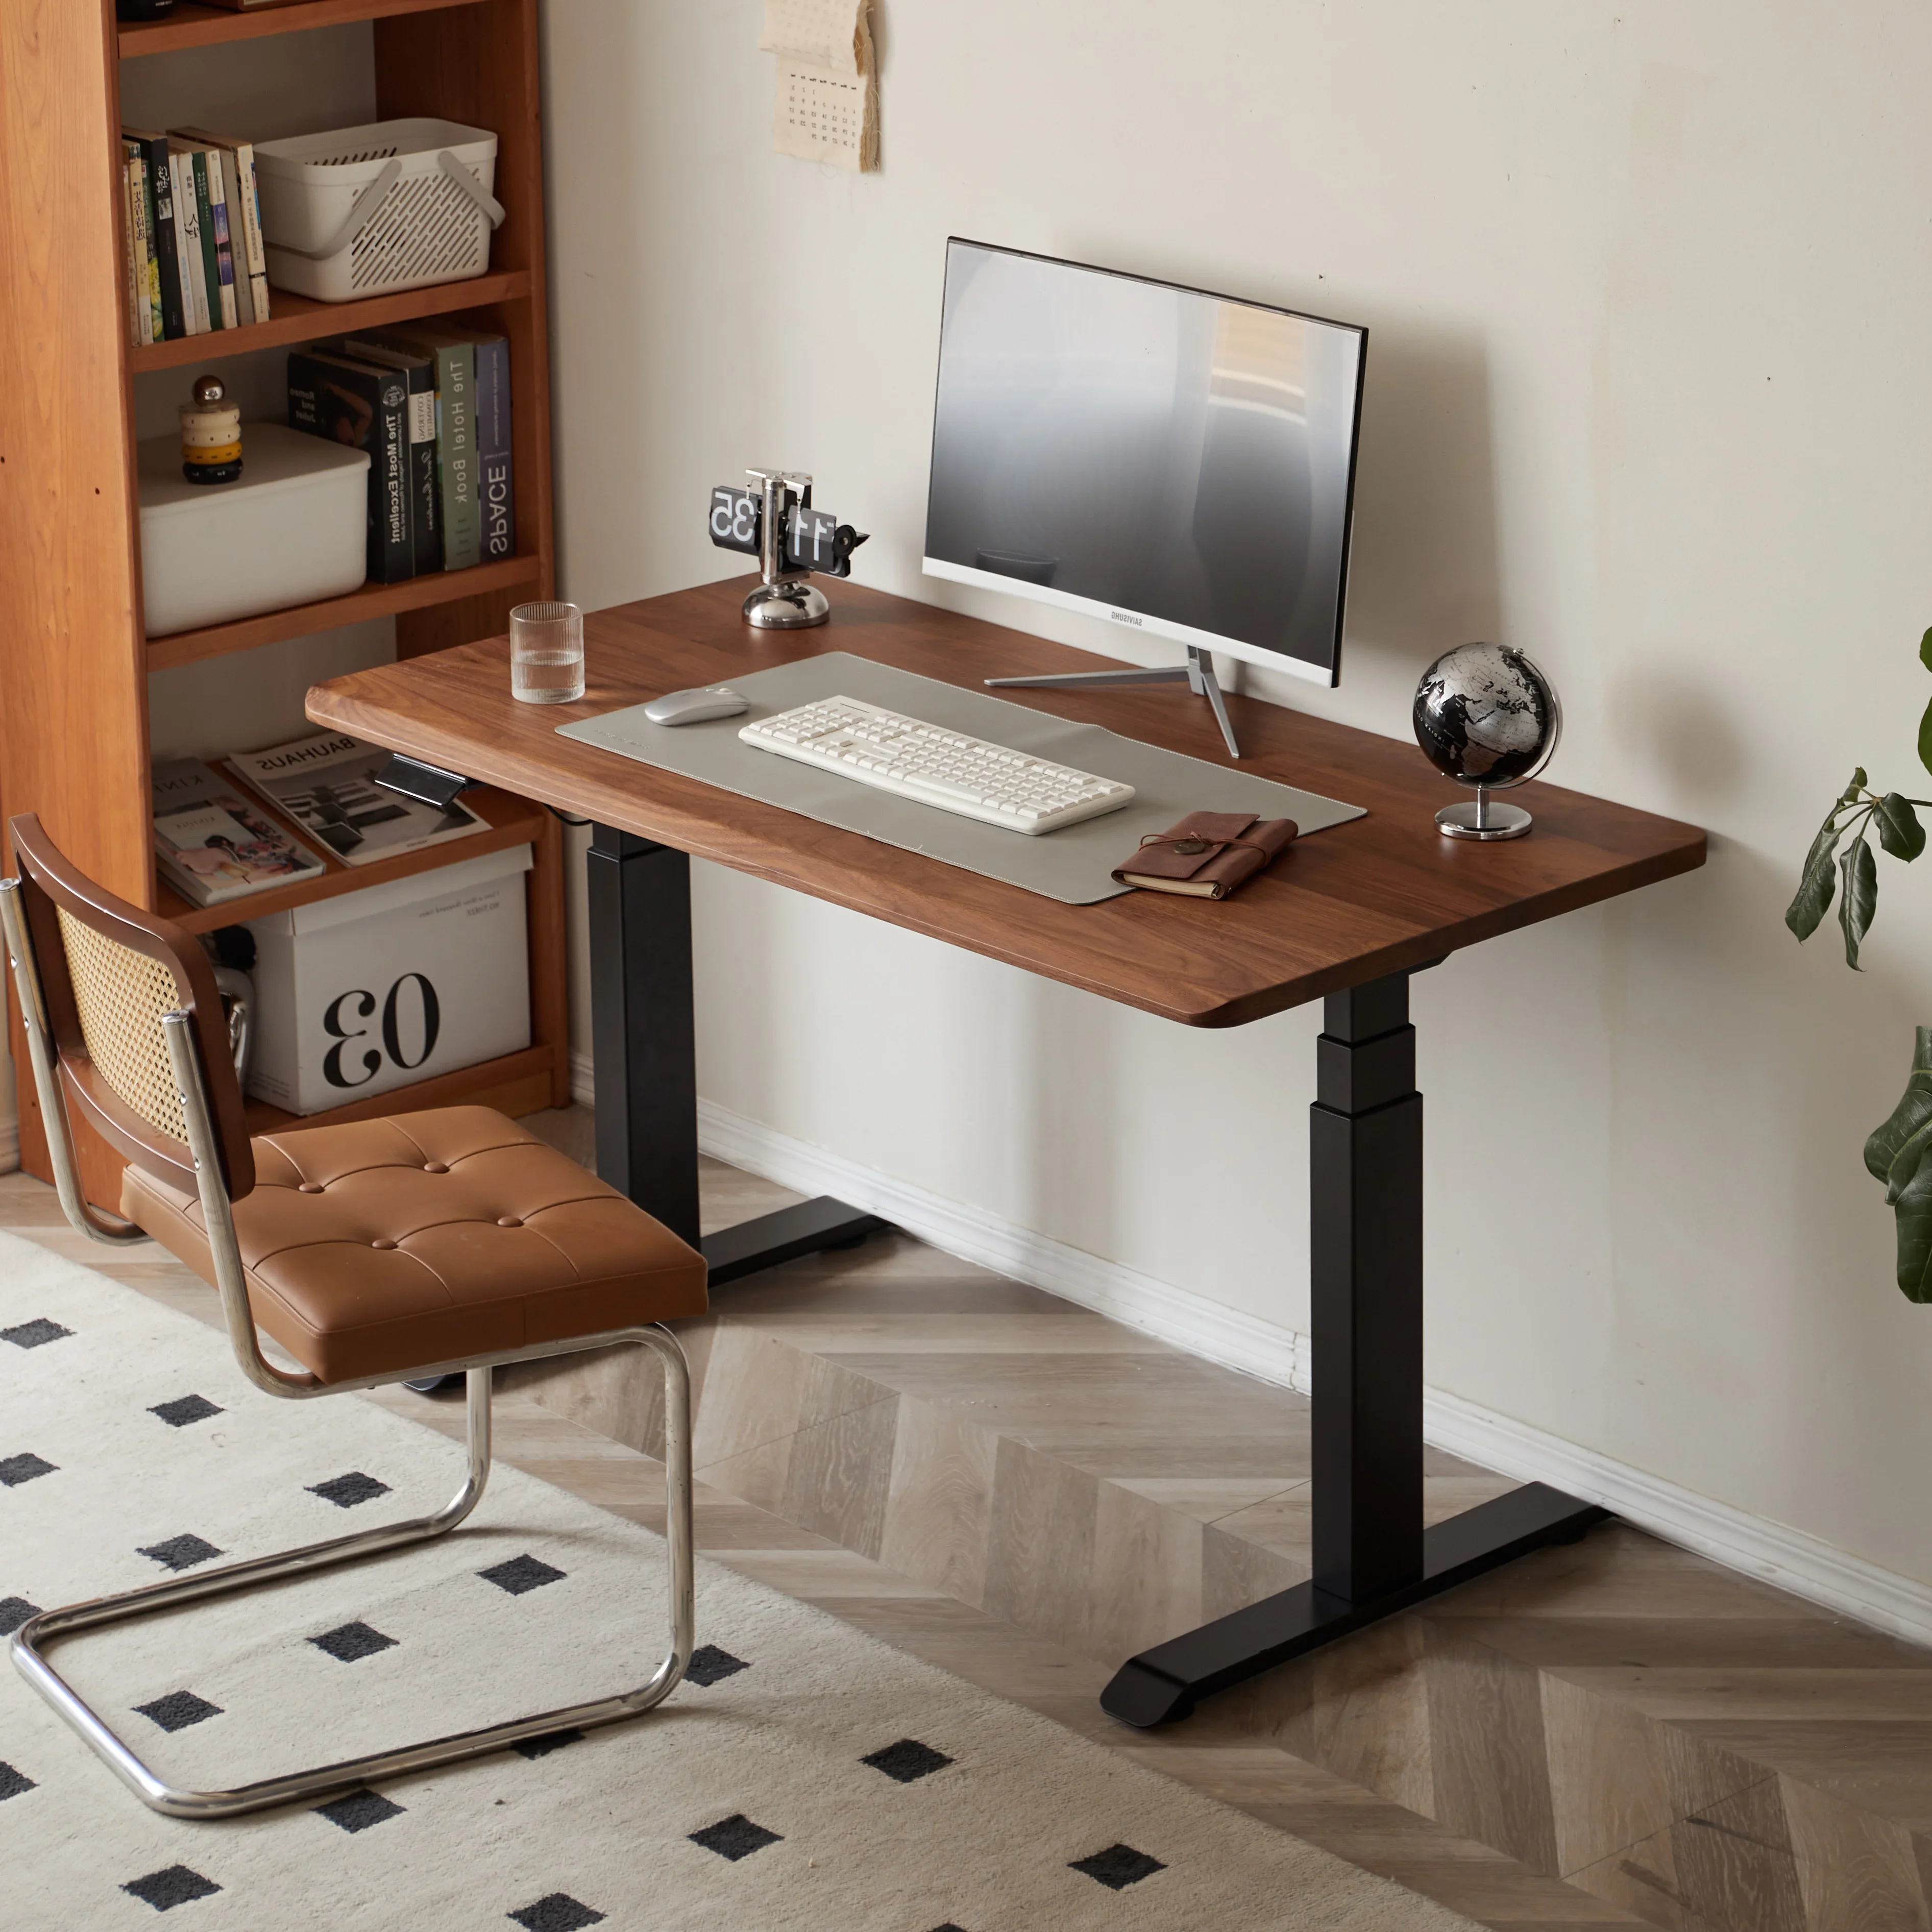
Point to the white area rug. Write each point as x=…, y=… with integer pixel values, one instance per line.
x=815, y=1779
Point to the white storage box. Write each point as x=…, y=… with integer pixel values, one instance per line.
x=393, y=205
x=394, y=984
x=292, y=529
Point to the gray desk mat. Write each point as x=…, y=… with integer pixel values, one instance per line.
x=1074, y=865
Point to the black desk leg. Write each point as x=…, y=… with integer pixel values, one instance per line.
x=1372, y=1555
x=643, y=1043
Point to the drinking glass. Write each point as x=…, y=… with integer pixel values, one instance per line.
x=546, y=653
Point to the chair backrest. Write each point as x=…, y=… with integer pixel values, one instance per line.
x=108, y=971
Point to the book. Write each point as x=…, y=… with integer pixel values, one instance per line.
x=363, y=407
x=459, y=512
x=325, y=784
x=134, y=270
x=251, y=258
x=418, y=368
x=188, y=231
x=207, y=163
x=1207, y=855
x=167, y=253
x=208, y=288
x=212, y=844
x=496, y=499
x=238, y=248
x=151, y=248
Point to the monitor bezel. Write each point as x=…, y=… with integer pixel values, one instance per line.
x=1146, y=623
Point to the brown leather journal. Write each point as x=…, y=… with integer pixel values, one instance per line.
x=1207, y=855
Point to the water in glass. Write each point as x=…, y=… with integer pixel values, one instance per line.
x=546, y=653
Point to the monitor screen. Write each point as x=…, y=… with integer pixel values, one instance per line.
x=1180, y=462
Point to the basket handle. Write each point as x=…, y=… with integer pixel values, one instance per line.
x=486, y=204
x=359, y=217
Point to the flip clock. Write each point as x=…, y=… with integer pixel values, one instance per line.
x=772, y=520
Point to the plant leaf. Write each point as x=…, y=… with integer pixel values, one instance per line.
x=1925, y=650
x=1899, y=830
x=1859, y=900
x=1913, y=1111
x=1914, y=1213
x=1815, y=888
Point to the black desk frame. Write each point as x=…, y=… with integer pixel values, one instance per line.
x=1372, y=1555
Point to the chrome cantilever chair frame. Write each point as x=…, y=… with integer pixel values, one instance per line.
x=29, y=1642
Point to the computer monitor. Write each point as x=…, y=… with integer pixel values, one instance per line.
x=1181, y=463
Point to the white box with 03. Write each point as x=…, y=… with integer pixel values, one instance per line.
x=392, y=985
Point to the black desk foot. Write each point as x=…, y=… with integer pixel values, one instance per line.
x=767, y=1240
x=1161, y=1685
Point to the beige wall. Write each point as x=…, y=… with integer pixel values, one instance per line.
x=1648, y=395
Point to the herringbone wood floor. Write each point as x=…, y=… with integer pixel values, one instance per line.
x=1021, y=1493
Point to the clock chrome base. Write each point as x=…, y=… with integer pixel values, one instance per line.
x=1486, y=818
x=790, y=604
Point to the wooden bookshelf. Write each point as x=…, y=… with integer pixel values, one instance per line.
x=195, y=26
x=372, y=600
x=73, y=683
x=294, y=319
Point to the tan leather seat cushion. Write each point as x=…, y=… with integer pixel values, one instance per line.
x=395, y=1244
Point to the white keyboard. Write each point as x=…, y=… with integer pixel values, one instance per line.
x=935, y=766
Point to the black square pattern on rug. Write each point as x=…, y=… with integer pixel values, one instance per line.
x=908, y=1760
x=548, y=1741
x=171, y=1886
x=1118, y=1866
x=735, y=1837
x=520, y=1574
x=184, y=1409
x=348, y=1641
x=178, y=1709
x=709, y=1665
x=180, y=1552
x=558, y=1912
x=14, y=1611
x=15, y=1470
x=357, y=1811
x=13, y=1782
x=32, y=1334
x=345, y=1491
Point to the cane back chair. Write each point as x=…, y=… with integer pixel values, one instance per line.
x=380, y=1251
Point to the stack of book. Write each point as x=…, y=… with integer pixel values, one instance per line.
x=432, y=407
x=213, y=843
x=194, y=261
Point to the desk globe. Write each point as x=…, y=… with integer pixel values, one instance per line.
x=1487, y=717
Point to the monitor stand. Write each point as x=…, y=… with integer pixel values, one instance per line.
x=1198, y=674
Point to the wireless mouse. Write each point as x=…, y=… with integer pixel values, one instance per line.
x=694, y=707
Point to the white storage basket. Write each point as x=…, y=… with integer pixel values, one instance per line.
x=395, y=205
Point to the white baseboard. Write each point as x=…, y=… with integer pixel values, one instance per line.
x=1791, y=1559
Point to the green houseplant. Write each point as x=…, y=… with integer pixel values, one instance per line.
x=1840, y=863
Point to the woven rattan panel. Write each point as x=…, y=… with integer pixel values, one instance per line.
x=121, y=995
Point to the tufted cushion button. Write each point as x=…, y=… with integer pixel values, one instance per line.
x=384, y=1244
x=434, y=1167
x=508, y=1221
x=309, y=1187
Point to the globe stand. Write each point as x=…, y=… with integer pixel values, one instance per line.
x=1485, y=819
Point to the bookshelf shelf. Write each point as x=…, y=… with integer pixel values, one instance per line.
x=372, y=600
x=518, y=1083
x=190, y=26
x=294, y=318
x=512, y=821
x=74, y=689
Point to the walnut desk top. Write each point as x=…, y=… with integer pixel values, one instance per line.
x=1377, y=896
